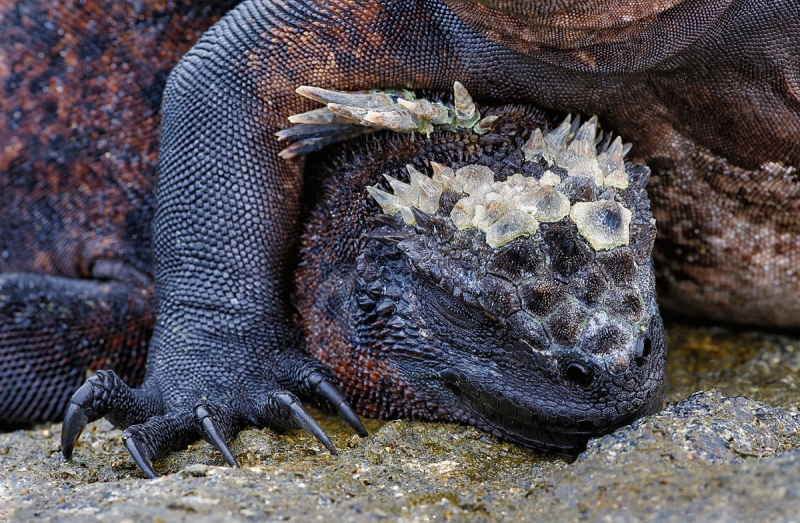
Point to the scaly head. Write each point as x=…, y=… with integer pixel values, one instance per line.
x=523, y=303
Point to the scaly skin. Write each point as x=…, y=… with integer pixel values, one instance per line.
x=542, y=340
x=80, y=102
x=656, y=80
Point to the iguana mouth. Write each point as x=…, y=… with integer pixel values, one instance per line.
x=558, y=434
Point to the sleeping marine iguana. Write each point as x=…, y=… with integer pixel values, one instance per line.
x=651, y=70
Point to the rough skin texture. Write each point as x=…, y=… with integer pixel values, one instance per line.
x=530, y=341
x=707, y=91
x=82, y=84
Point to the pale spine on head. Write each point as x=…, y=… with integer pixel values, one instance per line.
x=515, y=207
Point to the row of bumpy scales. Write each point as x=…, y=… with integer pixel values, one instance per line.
x=515, y=207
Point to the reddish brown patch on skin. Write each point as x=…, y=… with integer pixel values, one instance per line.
x=80, y=94
x=79, y=126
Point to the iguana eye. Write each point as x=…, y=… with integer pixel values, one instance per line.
x=579, y=374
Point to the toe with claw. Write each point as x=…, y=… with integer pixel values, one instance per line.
x=151, y=430
x=104, y=394
x=364, y=112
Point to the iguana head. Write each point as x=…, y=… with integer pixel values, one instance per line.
x=520, y=302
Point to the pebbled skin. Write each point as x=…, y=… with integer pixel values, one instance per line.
x=732, y=256
x=429, y=322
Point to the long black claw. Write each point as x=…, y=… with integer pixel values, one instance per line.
x=74, y=423
x=303, y=420
x=302, y=131
x=336, y=398
x=213, y=435
x=105, y=394
x=139, y=454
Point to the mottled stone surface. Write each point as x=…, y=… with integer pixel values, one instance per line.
x=708, y=457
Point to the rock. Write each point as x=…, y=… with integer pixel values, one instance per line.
x=694, y=461
x=708, y=457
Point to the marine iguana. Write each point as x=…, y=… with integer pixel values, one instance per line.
x=512, y=290
x=630, y=62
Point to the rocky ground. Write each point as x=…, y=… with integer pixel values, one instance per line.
x=731, y=453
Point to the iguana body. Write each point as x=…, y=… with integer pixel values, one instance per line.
x=707, y=91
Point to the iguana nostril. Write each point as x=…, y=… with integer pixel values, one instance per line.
x=643, y=349
x=579, y=374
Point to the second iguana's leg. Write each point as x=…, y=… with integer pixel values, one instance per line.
x=55, y=330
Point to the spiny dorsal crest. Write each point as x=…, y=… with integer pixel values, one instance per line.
x=505, y=210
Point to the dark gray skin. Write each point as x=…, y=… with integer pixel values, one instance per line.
x=228, y=206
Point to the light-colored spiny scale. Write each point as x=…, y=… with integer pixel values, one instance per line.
x=429, y=191
x=435, y=112
x=535, y=146
x=408, y=216
x=393, y=117
x=527, y=202
x=587, y=132
x=556, y=140
x=489, y=212
x=463, y=213
x=364, y=100
x=580, y=157
x=519, y=182
x=471, y=177
x=321, y=116
x=551, y=205
x=467, y=114
x=550, y=178
x=626, y=148
x=446, y=177
x=485, y=124
x=398, y=121
x=511, y=225
x=406, y=193
x=613, y=165
x=605, y=224
x=388, y=202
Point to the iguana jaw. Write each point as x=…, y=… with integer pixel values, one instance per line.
x=512, y=422
x=558, y=426
x=477, y=370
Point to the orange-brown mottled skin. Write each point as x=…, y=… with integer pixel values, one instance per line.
x=80, y=105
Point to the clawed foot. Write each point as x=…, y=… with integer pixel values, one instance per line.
x=350, y=114
x=152, y=430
